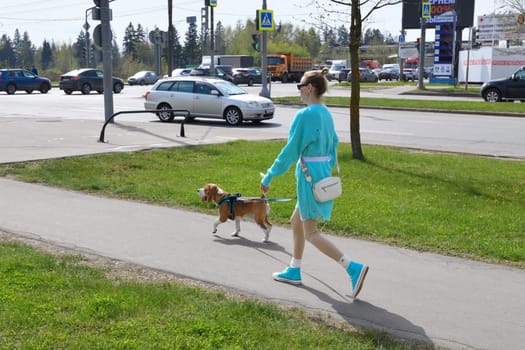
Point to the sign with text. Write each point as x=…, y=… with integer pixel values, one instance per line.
x=444, y=45
x=408, y=50
x=501, y=27
x=413, y=11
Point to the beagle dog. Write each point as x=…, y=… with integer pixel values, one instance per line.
x=234, y=208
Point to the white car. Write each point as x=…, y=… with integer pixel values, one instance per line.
x=206, y=97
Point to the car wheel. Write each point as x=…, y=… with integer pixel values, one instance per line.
x=233, y=116
x=142, y=82
x=85, y=89
x=117, y=88
x=100, y=91
x=29, y=91
x=11, y=89
x=44, y=88
x=68, y=92
x=493, y=95
x=284, y=80
x=165, y=116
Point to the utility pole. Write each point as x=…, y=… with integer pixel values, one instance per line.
x=425, y=13
x=264, y=59
x=102, y=12
x=170, y=37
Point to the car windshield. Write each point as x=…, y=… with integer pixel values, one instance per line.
x=227, y=88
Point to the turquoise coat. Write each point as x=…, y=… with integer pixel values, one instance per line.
x=312, y=134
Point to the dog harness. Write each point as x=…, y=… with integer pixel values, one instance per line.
x=231, y=199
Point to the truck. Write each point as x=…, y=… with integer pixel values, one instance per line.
x=236, y=61
x=285, y=66
x=489, y=63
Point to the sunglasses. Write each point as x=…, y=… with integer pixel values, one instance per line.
x=299, y=86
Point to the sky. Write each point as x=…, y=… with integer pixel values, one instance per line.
x=61, y=21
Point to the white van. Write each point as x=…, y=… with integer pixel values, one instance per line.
x=390, y=66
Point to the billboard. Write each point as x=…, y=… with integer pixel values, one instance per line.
x=501, y=27
x=412, y=12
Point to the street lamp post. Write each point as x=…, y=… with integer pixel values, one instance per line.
x=88, y=44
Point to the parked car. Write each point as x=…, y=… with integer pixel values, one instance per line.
x=205, y=72
x=144, y=77
x=507, y=89
x=389, y=74
x=207, y=97
x=180, y=72
x=248, y=76
x=334, y=71
x=12, y=80
x=87, y=79
x=410, y=74
x=343, y=75
x=365, y=75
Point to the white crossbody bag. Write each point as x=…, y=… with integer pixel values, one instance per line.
x=325, y=189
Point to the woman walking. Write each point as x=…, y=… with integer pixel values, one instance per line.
x=312, y=139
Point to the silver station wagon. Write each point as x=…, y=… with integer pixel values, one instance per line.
x=207, y=97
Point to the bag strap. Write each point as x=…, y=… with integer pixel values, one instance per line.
x=306, y=173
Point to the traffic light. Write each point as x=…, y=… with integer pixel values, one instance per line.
x=475, y=38
x=255, y=44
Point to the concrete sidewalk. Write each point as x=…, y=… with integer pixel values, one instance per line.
x=450, y=302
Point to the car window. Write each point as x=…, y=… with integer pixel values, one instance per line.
x=203, y=89
x=99, y=74
x=227, y=88
x=28, y=74
x=164, y=86
x=183, y=86
x=520, y=75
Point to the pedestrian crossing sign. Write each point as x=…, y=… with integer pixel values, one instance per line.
x=265, y=19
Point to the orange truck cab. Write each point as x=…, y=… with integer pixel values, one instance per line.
x=286, y=67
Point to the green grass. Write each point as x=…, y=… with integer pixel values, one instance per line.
x=436, y=105
x=450, y=204
x=57, y=302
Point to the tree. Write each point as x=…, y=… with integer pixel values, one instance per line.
x=129, y=41
x=220, y=46
x=7, y=52
x=343, y=37
x=373, y=35
x=79, y=50
x=356, y=27
x=192, y=50
x=46, y=59
x=24, y=49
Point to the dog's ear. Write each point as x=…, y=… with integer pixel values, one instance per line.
x=211, y=192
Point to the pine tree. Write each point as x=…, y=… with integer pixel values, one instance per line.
x=192, y=50
x=46, y=61
x=7, y=52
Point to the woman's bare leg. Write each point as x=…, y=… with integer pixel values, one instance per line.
x=298, y=235
x=323, y=244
